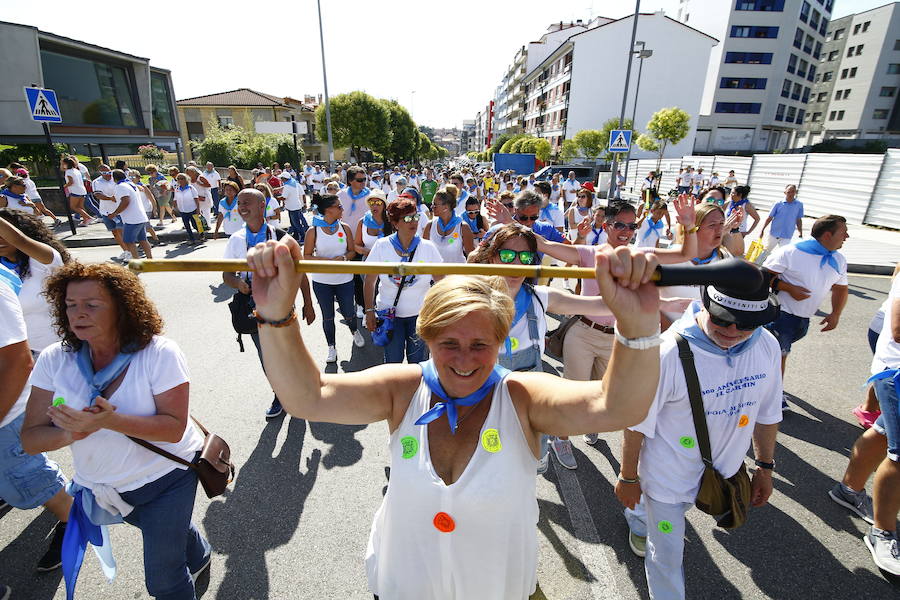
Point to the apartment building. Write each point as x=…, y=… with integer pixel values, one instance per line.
x=759, y=79
x=857, y=88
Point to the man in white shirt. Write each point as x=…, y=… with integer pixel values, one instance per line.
x=570, y=189
x=213, y=178
x=736, y=362
x=290, y=197
x=318, y=179
x=131, y=209
x=105, y=193
x=807, y=270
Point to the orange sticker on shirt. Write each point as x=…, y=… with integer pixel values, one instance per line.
x=444, y=522
x=743, y=421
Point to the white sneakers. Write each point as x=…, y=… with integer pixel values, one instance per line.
x=332, y=354
x=358, y=340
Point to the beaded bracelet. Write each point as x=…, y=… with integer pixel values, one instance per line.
x=290, y=318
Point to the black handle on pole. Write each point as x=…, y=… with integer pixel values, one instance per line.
x=731, y=273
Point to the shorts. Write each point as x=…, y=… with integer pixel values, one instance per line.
x=37, y=200
x=134, y=232
x=112, y=224
x=787, y=329
x=26, y=481
x=888, y=424
x=684, y=189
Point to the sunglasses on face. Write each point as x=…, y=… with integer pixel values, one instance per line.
x=526, y=257
x=619, y=226
x=410, y=218
x=472, y=212
x=725, y=324
x=527, y=217
x=374, y=202
x=359, y=180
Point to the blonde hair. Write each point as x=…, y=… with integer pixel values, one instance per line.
x=451, y=188
x=456, y=296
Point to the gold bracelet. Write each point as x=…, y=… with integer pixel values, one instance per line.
x=693, y=229
x=292, y=316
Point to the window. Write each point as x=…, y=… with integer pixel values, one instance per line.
x=822, y=97
x=859, y=49
x=850, y=51
x=814, y=19
x=791, y=114
x=796, y=92
x=832, y=115
x=753, y=31
x=818, y=51
x=792, y=64
x=261, y=114
x=839, y=34
x=839, y=94
x=893, y=68
x=812, y=73
x=808, y=44
x=880, y=114
x=840, y=115
x=800, y=114
x=888, y=92
x=223, y=115
x=804, y=11
x=833, y=55
x=828, y=76
x=816, y=117
x=786, y=88
x=748, y=58
x=866, y=26
x=161, y=101
x=896, y=44
x=802, y=67
x=779, y=113
x=823, y=26
x=798, y=38
x=743, y=83
x=852, y=72
x=738, y=107
x=91, y=92
x=856, y=28
x=760, y=5
x=806, y=92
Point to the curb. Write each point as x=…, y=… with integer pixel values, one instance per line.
x=870, y=269
x=91, y=242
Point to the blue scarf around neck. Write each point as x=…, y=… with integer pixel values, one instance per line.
x=522, y=302
x=654, y=226
x=256, y=238
x=736, y=205
x=597, y=233
x=445, y=230
x=449, y=405
x=687, y=326
x=813, y=246
x=9, y=193
x=318, y=221
x=354, y=197
x=370, y=222
x=99, y=380
x=223, y=204
x=472, y=223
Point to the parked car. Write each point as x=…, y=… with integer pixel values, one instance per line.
x=582, y=173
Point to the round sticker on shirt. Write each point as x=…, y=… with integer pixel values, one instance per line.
x=444, y=522
x=490, y=440
x=743, y=421
x=514, y=343
x=687, y=441
x=665, y=527
x=410, y=446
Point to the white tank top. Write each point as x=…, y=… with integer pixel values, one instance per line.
x=450, y=245
x=487, y=544
x=331, y=246
x=368, y=239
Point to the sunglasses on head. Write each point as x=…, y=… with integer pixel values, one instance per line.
x=410, y=218
x=527, y=217
x=725, y=324
x=526, y=257
x=619, y=226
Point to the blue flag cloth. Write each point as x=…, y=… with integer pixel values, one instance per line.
x=522, y=301
x=653, y=226
x=100, y=380
x=10, y=278
x=81, y=531
x=813, y=246
x=689, y=329
x=449, y=405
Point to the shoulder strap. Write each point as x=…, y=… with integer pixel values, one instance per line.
x=157, y=450
x=403, y=279
x=693, y=386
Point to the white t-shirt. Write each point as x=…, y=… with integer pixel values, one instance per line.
x=318, y=180
x=213, y=178
x=802, y=268
x=186, y=199
x=134, y=212
x=31, y=191
x=12, y=331
x=557, y=217
x=77, y=186
x=887, y=351
x=106, y=456
x=331, y=245
x=34, y=306
x=107, y=187
x=291, y=195
x=570, y=189
x=735, y=399
x=413, y=293
x=646, y=236
x=17, y=204
x=519, y=336
x=237, y=244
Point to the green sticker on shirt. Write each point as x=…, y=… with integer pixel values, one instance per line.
x=664, y=527
x=687, y=442
x=410, y=446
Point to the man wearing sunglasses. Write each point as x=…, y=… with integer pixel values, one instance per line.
x=737, y=364
x=526, y=211
x=353, y=198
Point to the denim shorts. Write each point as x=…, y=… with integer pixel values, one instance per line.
x=134, y=232
x=26, y=481
x=888, y=424
x=112, y=223
x=787, y=329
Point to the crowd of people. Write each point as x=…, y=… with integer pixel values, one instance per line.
x=473, y=415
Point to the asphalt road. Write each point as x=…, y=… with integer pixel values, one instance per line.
x=295, y=522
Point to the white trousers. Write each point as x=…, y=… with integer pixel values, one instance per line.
x=663, y=525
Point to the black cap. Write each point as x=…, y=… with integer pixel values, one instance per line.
x=745, y=309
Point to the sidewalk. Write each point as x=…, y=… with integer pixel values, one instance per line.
x=97, y=235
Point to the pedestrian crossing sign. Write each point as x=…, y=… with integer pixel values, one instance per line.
x=619, y=140
x=43, y=105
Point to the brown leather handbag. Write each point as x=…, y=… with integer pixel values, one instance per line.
x=214, y=467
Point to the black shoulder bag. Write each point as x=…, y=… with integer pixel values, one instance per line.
x=242, y=305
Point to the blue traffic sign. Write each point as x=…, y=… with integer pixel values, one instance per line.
x=619, y=140
x=42, y=105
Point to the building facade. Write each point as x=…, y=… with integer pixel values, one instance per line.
x=245, y=108
x=857, y=88
x=111, y=102
x=580, y=84
x=467, y=140
x=759, y=79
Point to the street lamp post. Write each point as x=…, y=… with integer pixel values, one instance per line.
x=325, y=81
x=641, y=54
x=611, y=191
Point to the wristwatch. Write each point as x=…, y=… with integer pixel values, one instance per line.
x=769, y=466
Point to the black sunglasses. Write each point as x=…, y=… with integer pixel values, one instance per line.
x=526, y=217
x=725, y=324
x=619, y=225
x=359, y=180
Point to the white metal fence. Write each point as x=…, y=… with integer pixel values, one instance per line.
x=864, y=188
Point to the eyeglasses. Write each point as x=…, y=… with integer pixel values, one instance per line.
x=619, y=226
x=725, y=324
x=359, y=180
x=374, y=202
x=472, y=212
x=410, y=218
x=526, y=257
x=526, y=217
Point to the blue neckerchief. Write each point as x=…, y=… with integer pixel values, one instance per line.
x=256, y=238
x=522, y=300
x=813, y=246
x=10, y=278
x=473, y=189
x=554, y=187
x=472, y=223
x=444, y=230
x=6, y=192
x=597, y=233
x=12, y=265
x=449, y=405
x=223, y=204
x=545, y=213
x=100, y=380
x=290, y=182
x=354, y=197
x=735, y=205
x=654, y=226
x=462, y=198
x=405, y=254
x=708, y=259
x=184, y=187
x=81, y=530
x=516, y=189
x=329, y=227
x=687, y=326
x=370, y=222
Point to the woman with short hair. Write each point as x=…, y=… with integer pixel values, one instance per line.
x=228, y=218
x=159, y=188
x=118, y=378
x=187, y=199
x=578, y=212
x=74, y=188
x=464, y=432
x=450, y=234
x=273, y=208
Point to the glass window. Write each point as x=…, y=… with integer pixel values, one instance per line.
x=822, y=97
x=853, y=72
x=792, y=64
x=804, y=11
x=743, y=83
x=859, y=49
x=893, y=68
x=888, y=91
x=750, y=58
x=760, y=5
x=90, y=92
x=844, y=73
x=823, y=26
x=261, y=114
x=812, y=73
x=786, y=88
x=833, y=55
x=800, y=114
x=754, y=31
x=797, y=91
x=779, y=113
x=896, y=44
x=791, y=114
x=866, y=26
x=808, y=44
x=839, y=94
x=838, y=34
x=806, y=92
x=828, y=76
x=880, y=113
x=814, y=19
x=161, y=101
x=738, y=107
x=816, y=117
x=802, y=67
x=798, y=38
x=818, y=50
x=840, y=115
x=832, y=115
x=856, y=28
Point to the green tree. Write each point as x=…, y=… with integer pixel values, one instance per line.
x=569, y=151
x=404, y=135
x=667, y=126
x=591, y=142
x=608, y=126
x=507, y=146
x=357, y=119
x=542, y=149
x=501, y=139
